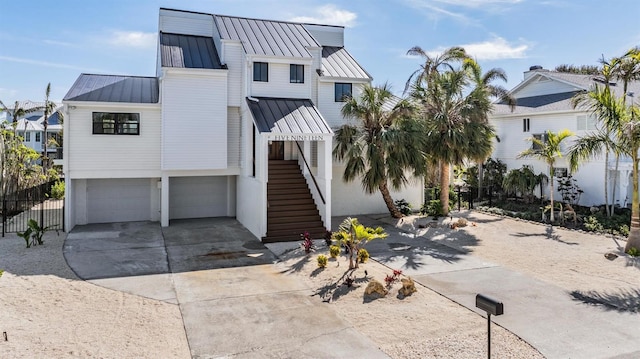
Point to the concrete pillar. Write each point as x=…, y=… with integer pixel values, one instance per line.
x=325, y=168
x=306, y=151
x=164, y=201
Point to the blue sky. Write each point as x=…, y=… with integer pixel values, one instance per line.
x=54, y=41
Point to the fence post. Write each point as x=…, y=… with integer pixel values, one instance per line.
x=490, y=195
x=41, y=205
x=470, y=199
x=458, y=188
x=4, y=214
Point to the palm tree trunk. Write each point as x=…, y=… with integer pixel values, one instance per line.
x=444, y=187
x=480, y=179
x=552, y=217
x=615, y=184
x=633, y=241
x=386, y=196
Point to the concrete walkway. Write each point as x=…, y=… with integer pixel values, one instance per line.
x=233, y=300
x=544, y=315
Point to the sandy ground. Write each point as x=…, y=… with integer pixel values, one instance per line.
x=48, y=313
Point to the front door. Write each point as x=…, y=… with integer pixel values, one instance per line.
x=276, y=150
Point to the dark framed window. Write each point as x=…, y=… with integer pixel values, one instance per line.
x=37, y=136
x=343, y=92
x=526, y=125
x=108, y=123
x=560, y=172
x=27, y=136
x=261, y=71
x=542, y=137
x=296, y=74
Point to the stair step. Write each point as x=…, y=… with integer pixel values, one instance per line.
x=289, y=191
x=298, y=227
x=295, y=219
x=290, y=201
x=273, y=197
x=316, y=232
x=284, y=212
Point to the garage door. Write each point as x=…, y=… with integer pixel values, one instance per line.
x=197, y=197
x=118, y=200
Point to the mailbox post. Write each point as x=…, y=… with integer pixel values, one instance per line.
x=490, y=306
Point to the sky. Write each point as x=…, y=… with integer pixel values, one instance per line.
x=46, y=41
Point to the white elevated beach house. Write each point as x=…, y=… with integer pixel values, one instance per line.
x=544, y=103
x=238, y=121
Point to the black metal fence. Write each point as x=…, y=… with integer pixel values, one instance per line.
x=32, y=203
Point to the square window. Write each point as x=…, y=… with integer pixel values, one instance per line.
x=343, y=92
x=560, y=172
x=543, y=137
x=27, y=137
x=37, y=136
x=296, y=74
x=106, y=123
x=586, y=122
x=261, y=71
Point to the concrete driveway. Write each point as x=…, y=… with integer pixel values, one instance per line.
x=233, y=299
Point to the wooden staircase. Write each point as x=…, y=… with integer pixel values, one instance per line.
x=290, y=207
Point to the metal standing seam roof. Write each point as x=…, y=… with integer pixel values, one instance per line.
x=267, y=37
x=113, y=88
x=338, y=62
x=188, y=51
x=287, y=116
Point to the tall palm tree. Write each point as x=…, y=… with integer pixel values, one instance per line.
x=384, y=146
x=631, y=132
x=548, y=150
x=434, y=63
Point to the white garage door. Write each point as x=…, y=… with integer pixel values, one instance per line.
x=118, y=200
x=197, y=197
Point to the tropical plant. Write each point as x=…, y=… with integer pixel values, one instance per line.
x=523, y=181
x=34, y=233
x=384, y=147
x=548, y=150
x=363, y=255
x=454, y=106
x=569, y=189
x=322, y=260
x=403, y=206
x=307, y=242
x=49, y=110
x=353, y=235
x=334, y=251
x=57, y=190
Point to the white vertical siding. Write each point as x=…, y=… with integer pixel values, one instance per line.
x=179, y=22
x=327, y=35
x=233, y=59
x=233, y=137
x=279, y=85
x=317, y=64
x=108, y=156
x=329, y=108
x=194, y=120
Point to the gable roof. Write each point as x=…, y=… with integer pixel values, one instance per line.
x=113, y=88
x=338, y=62
x=287, y=116
x=188, y=51
x=267, y=37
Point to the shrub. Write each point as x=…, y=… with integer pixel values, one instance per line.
x=390, y=279
x=433, y=208
x=57, y=190
x=634, y=252
x=592, y=224
x=322, y=261
x=363, y=255
x=307, y=242
x=334, y=251
x=353, y=235
x=404, y=207
x=34, y=233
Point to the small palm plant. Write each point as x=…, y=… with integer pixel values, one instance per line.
x=354, y=235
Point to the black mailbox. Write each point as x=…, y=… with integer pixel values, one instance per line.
x=489, y=305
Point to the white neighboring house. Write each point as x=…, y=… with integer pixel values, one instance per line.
x=31, y=128
x=237, y=122
x=544, y=104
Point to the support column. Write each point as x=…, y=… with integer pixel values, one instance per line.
x=164, y=201
x=306, y=151
x=325, y=168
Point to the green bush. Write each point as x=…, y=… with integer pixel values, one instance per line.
x=322, y=261
x=432, y=208
x=404, y=207
x=363, y=255
x=57, y=190
x=634, y=252
x=334, y=251
x=592, y=224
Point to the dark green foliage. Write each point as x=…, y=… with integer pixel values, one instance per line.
x=580, y=70
x=34, y=233
x=569, y=189
x=404, y=207
x=57, y=190
x=634, y=252
x=433, y=208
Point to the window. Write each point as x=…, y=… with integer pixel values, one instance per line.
x=543, y=137
x=343, y=91
x=525, y=125
x=37, y=136
x=106, y=123
x=27, y=137
x=560, y=172
x=586, y=122
x=261, y=71
x=296, y=74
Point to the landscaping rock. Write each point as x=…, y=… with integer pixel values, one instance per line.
x=375, y=287
x=408, y=287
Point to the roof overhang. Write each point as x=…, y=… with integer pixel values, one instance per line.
x=288, y=119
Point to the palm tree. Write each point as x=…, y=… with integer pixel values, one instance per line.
x=19, y=110
x=547, y=149
x=454, y=107
x=384, y=146
x=631, y=133
x=433, y=64
x=49, y=110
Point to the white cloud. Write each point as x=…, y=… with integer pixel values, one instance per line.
x=496, y=49
x=329, y=14
x=437, y=8
x=137, y=39
x=47, y=64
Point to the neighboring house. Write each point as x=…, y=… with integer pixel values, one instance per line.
x=544, y=103
x=31, y=128
x=238, y=121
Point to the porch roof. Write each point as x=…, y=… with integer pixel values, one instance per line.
x=287, y=116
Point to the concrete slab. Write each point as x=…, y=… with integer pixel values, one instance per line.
x=271, y=325
x=542, y=314
x=155, y=286
x=233, y=282
x=118, y=263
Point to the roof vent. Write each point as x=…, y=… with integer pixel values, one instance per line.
x=535, y=67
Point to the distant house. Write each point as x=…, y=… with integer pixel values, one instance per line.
x=237, y=121
x=544, y=104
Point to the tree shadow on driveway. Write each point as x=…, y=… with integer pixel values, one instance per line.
x=626, y=300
